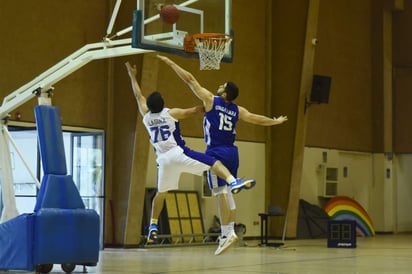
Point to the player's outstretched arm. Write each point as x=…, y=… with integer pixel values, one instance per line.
x=141, y=100
x=183, y=113
x=202, y=93
x=258, y=119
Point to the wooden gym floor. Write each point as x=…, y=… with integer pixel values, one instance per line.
x=379, y=254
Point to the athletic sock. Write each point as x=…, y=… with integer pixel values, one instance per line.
x=153, y=221
x=232, y=226
x=225, y=229
x=230, y=179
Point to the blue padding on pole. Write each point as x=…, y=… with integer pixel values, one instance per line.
x=58, y=191
x=66, y=236
x=50, y=136
x=16, y=237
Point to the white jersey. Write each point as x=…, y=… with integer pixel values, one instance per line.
x=173, y=157
x=164, y=130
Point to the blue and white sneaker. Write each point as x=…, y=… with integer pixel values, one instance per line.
x=152, y=235
x=239, y=184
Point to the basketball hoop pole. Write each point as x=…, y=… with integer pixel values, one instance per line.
x=6, y=178
x=113, y=18
x=10, y=139
x=228, y=16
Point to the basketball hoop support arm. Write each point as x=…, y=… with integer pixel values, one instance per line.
x=75, y=61
x=113, y=17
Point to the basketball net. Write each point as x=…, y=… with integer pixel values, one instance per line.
x=211, y=48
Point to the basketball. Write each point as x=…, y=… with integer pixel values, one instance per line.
x=169, y=14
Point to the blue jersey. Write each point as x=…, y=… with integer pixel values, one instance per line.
x=219, y=123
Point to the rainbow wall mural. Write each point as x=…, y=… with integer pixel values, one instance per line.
x=344, y=208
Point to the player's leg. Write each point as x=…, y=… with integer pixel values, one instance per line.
x=218, y=168
x=157, y=206
x=168, y=179
x=236, y=184
x=229, y=157
x=225, y=201
x=197, y=163
x=227, y=210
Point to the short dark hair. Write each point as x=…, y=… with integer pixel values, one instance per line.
x=155, y=102
x=232, y=91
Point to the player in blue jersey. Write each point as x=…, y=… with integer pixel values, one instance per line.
x=220, y=119
x=172, y=155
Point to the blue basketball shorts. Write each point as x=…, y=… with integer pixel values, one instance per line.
x=229, y=156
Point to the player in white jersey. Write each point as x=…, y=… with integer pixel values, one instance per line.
x=221, y=116
x=173, y=156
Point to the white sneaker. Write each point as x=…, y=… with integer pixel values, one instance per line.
x=225, y=242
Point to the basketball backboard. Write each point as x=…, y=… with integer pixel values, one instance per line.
x=195, y=16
